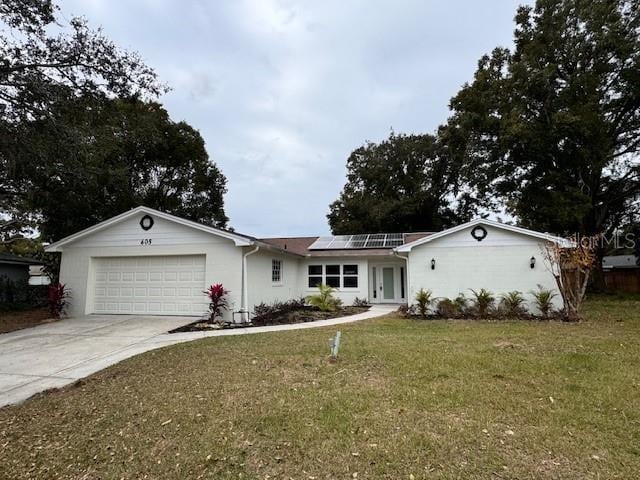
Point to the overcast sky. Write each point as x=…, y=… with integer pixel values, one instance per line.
x=283, y=91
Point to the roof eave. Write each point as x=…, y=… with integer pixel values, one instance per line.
x=238, y=240
x=532, y=233
x=273, y=248
x=15, y=262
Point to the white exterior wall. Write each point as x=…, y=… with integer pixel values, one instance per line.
x=499, y=263
x=261, y=288
x=347, y=295
x=223, y=258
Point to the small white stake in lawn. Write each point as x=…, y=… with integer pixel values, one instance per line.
x=334, y=343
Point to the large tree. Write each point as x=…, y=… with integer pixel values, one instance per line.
x=44, y=62
x=112, y=156
x=39, y=53
x=551, y=129
x=405, y=183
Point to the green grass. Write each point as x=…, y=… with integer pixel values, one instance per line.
x=407, y=399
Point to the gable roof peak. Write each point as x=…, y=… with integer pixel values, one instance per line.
x=479, y=221
x=239, y=240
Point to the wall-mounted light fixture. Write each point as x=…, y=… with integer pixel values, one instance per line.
x=532, y=262
x=433, y=264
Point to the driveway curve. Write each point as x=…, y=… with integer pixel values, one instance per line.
x=56, y=354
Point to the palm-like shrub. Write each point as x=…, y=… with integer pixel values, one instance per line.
x=424, y=299
x=543, y=299
x=512, y=304
x=483, y=301
x=324, y=300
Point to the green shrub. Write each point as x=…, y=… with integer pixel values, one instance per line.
x=408, y=311
x=266, y=311
x=462, y=303
x=324, y=301
x=544, y=300
x=424, y=300
x=483, y=302
x=447, y=308
x=360, y=302
x=19, y=295
x=512, y=304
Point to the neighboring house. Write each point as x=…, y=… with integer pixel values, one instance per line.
x=149, y=262
x=621, y=273
x=16, y=268
x=38, y=275
x=611, y=262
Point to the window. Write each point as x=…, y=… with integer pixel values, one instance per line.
x=402, y=282
x=335, y=276
x=276, y=271
x=350, y=276
x=315, y=275
x=332, y=275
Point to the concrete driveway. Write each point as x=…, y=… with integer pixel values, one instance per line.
x=55, y=354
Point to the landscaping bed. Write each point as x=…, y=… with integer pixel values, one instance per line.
x=299, y=315
x=17, y=320
x=307, y=314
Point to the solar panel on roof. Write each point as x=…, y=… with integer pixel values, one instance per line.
x=394, y=240
x=321, y=243
x=360, y=241
x=357, y=241
x=376, y=240
x=339, y=242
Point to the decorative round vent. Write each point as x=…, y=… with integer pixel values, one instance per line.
x=479, y=233
x=146, y=222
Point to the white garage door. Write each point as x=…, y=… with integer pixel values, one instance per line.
x=150, y=285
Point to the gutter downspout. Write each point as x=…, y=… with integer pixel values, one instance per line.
x=245, y=281
x=406, y=259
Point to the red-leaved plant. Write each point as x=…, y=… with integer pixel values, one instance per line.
x=58, y=297
x=217, y=301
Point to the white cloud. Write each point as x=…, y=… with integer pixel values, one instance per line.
x=283, y=91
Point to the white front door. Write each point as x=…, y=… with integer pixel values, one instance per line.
x=387, y=283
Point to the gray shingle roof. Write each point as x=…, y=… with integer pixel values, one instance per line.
x=9, y=258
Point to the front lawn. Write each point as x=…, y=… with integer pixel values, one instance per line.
x=408, y=399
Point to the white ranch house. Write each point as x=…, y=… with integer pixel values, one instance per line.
x=147, y=262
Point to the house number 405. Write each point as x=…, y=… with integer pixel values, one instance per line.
x=145, y=241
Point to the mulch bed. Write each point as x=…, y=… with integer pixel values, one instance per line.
x=308, y=314
x=11, y=321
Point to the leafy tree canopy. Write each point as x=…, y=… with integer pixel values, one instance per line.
x=405, y=183
x=43, y=60
x=79, y=140
x=552, y=128
x=113, y=156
